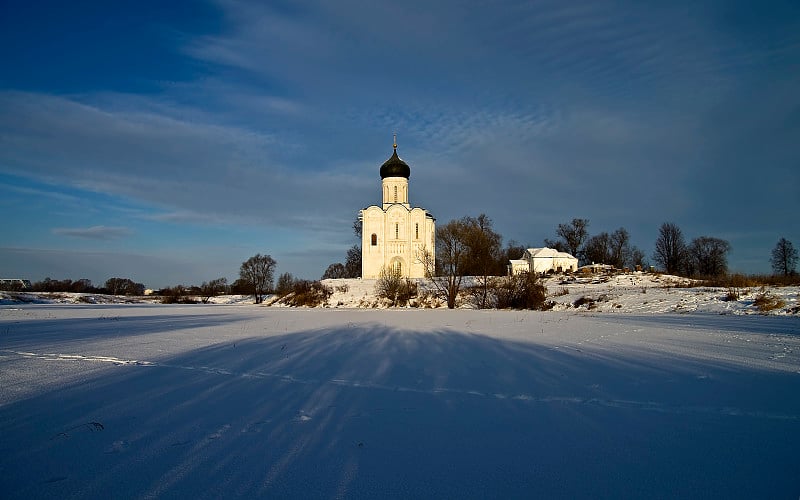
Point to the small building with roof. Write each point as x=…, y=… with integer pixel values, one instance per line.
x=543, y=260
x=395, y=235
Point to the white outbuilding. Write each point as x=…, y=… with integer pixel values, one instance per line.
x=543, y=260
x=396, y=235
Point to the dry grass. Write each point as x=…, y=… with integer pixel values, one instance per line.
x=750, y=281
x=732, y=295
x=766, y=302
x=561, y=292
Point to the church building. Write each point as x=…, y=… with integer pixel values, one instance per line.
x=395, y=235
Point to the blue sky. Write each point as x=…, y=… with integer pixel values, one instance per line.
x=168, y=142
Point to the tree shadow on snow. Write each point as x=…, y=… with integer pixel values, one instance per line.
x=367, y=411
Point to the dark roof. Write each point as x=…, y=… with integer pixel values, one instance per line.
x=395, y=167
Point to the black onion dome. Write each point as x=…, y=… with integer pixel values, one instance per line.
x=395, y=167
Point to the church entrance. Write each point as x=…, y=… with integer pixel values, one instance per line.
x=397, y=266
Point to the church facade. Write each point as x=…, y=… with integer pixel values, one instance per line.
x=395, y=235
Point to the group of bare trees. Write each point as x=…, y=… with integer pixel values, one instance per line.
x=705, y=256
x=470, y=246
x=604, y=248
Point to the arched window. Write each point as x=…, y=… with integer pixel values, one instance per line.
x=397, y=231
x=395, y=194
x=398, y=267
x=374, y=239
x=416, y=230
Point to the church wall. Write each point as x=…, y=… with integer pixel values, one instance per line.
x=401, y=235
x=372, y=256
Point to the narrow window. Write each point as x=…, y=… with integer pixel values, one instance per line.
x=395, y=194
x=397, y=231
x=374, y=239
x=416, y=230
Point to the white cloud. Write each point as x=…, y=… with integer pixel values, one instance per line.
x=95, y=232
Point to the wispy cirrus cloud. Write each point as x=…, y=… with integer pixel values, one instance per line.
x=94, y=232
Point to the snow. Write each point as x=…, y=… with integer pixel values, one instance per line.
x=629, y=293
x=682, y=396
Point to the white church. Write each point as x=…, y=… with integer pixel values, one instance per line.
x=395, y=235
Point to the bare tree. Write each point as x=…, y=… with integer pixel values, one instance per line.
x=784, y=258
x=597, y=249
x=484, y=249
x=257, y=272
x=707, y=256
x=637, y=258
x=670, y=248
x=212, y=288
x=452, y=252
x=285, y=284
x=334, y=271
x=620, y=248
x=572, y=235
x=352, y=264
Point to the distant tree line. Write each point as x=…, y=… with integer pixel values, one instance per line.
x=112, y=286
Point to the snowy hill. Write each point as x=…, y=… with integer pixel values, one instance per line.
x=631, y=293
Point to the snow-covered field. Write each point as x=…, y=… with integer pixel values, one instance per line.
x=209, y=401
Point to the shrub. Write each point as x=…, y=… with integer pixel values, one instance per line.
x=393, y=287
x=732, y=295
x=585, y=300
x=176, y=295
x=766, y=302
x=520, y=291
x=308, y=294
